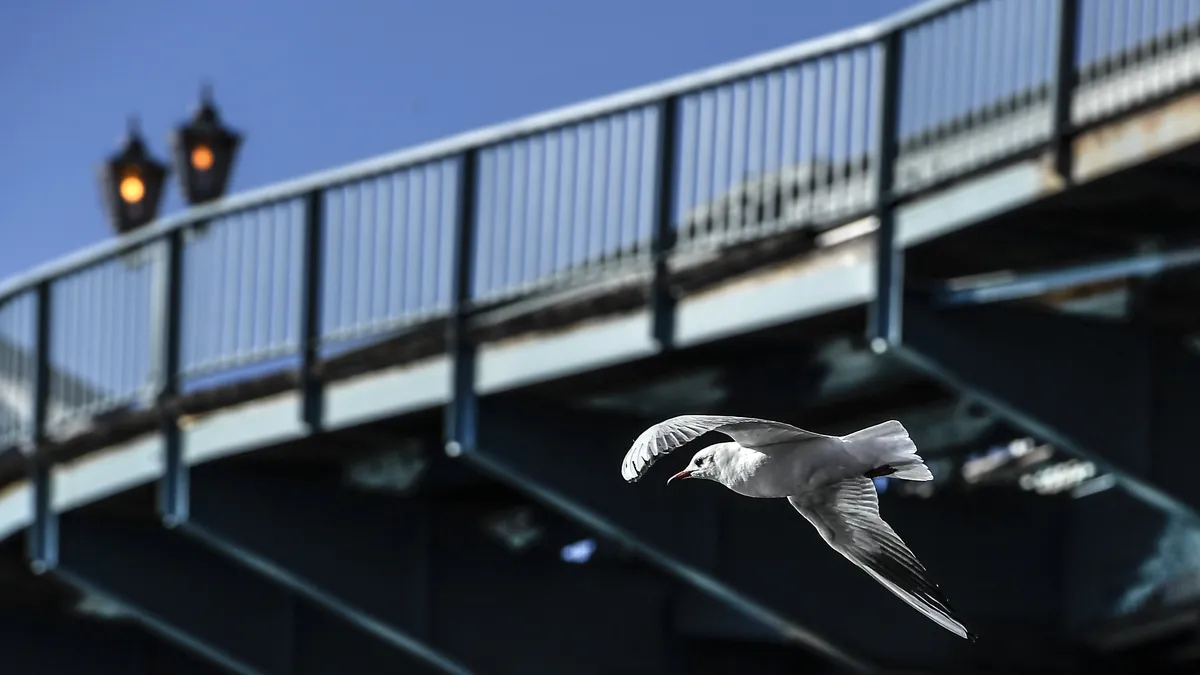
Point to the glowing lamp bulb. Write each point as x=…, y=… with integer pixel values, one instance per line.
x=202, y=158
x=132, y=189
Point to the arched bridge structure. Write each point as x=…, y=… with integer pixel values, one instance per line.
x=371, y=420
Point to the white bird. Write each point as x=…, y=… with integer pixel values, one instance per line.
x=828, y=479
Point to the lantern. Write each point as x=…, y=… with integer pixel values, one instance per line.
x=204, y=151
x=131, y=183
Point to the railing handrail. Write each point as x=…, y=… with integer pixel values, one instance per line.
x=448, y=147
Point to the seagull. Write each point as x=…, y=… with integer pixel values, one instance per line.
x=828, y=479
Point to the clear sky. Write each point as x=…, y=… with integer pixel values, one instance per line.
x=321, y=83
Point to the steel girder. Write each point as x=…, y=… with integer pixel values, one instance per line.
x=1120, y=395
x=422, y=575
x=45, y=643
x=272, y=574
x=196, y=597
x=181, y=591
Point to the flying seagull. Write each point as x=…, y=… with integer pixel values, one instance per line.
x=828, y=479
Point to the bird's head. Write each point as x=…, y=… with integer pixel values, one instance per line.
x=708, y=463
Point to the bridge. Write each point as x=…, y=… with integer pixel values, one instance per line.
x=371, y=420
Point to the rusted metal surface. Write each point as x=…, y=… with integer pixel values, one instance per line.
x=1137, y=138
x=1081, y=292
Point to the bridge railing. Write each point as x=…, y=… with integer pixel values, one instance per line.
x=812, y=135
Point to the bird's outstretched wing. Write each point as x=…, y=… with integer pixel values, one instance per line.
x=668, y=435
x=847, y=516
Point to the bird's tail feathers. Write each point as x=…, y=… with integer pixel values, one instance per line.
x=887, y=448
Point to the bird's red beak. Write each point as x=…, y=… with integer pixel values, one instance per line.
x=681, y=475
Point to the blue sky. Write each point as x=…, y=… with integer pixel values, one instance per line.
x=323, y=83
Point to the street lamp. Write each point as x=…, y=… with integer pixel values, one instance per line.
x=131, y=183
x=204, y=150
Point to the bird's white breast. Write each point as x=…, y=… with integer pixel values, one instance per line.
x=790, y=470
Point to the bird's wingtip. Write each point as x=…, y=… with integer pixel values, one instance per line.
x=971, y=637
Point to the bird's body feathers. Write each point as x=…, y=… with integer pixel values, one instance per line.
x=887, y=445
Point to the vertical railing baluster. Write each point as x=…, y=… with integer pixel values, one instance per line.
x=1064, y=85
x=10, y=420
x=42, y=368
x=662, y=237
x=311, y=274
x=42, y=539
x=460, y=413
x=173, y=495
x=884, y=321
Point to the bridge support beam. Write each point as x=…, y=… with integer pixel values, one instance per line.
x=1120, y=395
x=423, y=576
x=180, y=591
x=223, y=612
x=762, y=558
x=36, y=643
x=1151, y=571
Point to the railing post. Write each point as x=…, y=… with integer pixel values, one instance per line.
x=461, y=411
x=42, y=540
x=173, y=493
x=884, y=320
x=1064, y=86
x=311, y=390
x=662, y=301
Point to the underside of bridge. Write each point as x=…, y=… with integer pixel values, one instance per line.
x=1031, y=545
x=370, y=550
x=367, y=551
x=370, y=547
x=1086, y=307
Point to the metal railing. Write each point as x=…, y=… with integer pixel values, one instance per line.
x=807, y=136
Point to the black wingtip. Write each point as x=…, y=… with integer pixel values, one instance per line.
x=972, y=637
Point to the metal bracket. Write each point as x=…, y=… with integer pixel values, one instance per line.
x=173, y=495
x=311, y=387
x=986, y=289
x=662, y=302
x=884, y=318
x=460, y=414
x=42, y=539
x=1064, y=87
